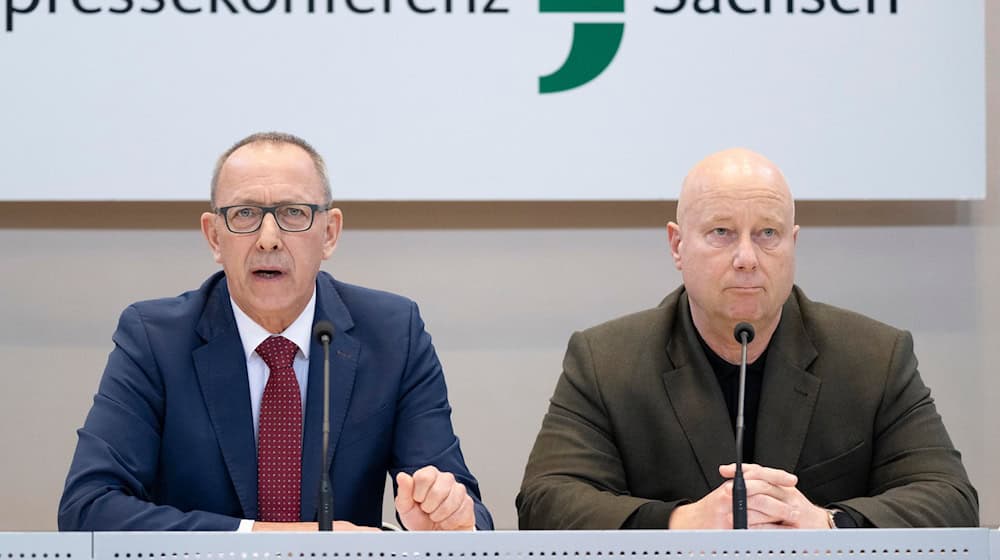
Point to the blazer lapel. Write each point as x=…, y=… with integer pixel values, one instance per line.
x=344, y=352
x=696, y=398
x=220, y=366
x=789, y=392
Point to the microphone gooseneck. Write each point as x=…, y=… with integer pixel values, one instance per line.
x=744, y=334
x=323, y=333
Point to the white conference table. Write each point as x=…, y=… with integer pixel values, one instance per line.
x=923, y=544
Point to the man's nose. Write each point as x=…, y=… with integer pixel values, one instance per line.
x=269, y=235
x=746, y=254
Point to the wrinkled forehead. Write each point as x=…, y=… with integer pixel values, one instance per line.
x=278, y=172
x=753, y=204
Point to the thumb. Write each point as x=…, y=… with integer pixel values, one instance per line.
x=404, y=493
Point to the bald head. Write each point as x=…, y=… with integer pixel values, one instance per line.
x=734, y=243
x=736, y=172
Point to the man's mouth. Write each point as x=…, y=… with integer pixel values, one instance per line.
x=268, y=273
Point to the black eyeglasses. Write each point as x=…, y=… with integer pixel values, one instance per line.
x=247, y=218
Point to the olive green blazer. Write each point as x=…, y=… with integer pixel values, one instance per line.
x=638, y=416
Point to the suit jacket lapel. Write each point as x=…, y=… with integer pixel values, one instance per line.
x=344, y=351
x=789, y=392
x=696, y=398
x=220, y=366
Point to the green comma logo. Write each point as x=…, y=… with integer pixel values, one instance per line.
x=594, y=44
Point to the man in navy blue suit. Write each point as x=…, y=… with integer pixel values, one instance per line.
x=208, y=416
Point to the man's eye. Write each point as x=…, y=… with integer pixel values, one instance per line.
x=293, y=211
x=720, y=232
x=244, y=212
x=769, y=232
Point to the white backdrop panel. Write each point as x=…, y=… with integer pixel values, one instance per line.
x=447, y=106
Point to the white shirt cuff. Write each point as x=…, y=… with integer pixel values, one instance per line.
x=246, y=526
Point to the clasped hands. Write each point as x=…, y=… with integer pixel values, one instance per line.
x=428, y=500
x=773, y=502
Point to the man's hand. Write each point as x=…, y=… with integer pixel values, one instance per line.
x=714, y=511
x=773, y=501
x=432, y=500
x=306, y=526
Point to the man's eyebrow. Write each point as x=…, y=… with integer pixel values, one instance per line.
x=768, y=220
x=718, y=217
x=772, y=218
x=251, y=202
x=244, y=202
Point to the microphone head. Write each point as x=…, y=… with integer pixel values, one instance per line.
x=323, y=330
x=741, y=329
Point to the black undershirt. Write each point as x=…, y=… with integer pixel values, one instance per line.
x=728, y=376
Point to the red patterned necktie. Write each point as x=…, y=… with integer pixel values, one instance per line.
x=279, y=437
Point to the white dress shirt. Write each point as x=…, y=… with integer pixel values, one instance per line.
x=251, y=335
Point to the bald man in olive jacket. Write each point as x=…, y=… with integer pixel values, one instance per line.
x=640, y=432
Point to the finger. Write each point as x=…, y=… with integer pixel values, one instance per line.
x=438, y=492
x=729, y=471
x=423, y=480
x=786, y=503
x=726, y=488
x=755, y=517
x=774, y=476
x=731, y=467
x=768, y=526
x=404, y=493
x=752, y=471
x=757, y=486
x=450, y=504
x=463, y=519
x=771, y=509
x=792, y=509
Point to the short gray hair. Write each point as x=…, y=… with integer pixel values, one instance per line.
x=275, y=138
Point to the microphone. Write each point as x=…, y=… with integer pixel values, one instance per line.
x=323, y=333
x=744, y=334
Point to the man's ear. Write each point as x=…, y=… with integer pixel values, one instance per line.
x=795, y=235
x=674, y=237
x=334, y=225
x=208, y=229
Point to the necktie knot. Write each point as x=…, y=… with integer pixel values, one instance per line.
x=278, y=352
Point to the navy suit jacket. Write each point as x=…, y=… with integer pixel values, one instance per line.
x=169, y=444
